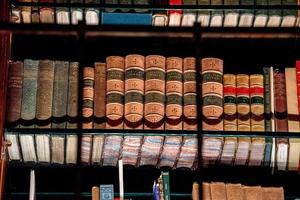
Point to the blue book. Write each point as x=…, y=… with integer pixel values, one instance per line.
x=107, y=192
x=268, y=152
x=126, y=18
x=155, y=191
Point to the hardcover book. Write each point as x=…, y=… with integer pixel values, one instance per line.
x=99, y=95
x=71, y=148
x=234, y=192
x=98, y=142
x=62, y=13
x=211, y=150
x=217, y=191
x=26, y=12
x=230, y=100
x=231, y=16
x=228, y=152
x=243, y=102
x=76, y=13
x=204, y=15
x=275, y=15
x=14, y=149
x=106, y=192
x=88, y=97
x=72, y=102
x=86, y=148
x=289, y=16
x=261, y=15
x=131, y=148
x=272, y=193
x=267, y=99
x=282, y=146
x=294, y=154
x=58, y=149
x=150, y=150
x=246, y=15
x=253, y=192
x=217, y=16
x=109, y=18
x=242, y=152
x=111, y=150
x=28, y=148
x=189, y=153
x=257, y=149
x=47, y=13
x=170, y=152
x=206, y=191
x=42, y=142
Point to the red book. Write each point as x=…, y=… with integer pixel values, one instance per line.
x=298, y=82
x=175, y=2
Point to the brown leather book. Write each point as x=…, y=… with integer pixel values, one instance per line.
x=95, y=193
x=243, y=102
x=195, y=191
x=14, y=92
x=253, y=193
x=99, y=95
x=257, y=102
x=72, y=105
x=45, y=92
x=206, y=191
x=88, y=97
x=273, y=193
x=218, y=191
x=230, y=121
x=234, y=192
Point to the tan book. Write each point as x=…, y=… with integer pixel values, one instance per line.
x=58, y=149
x=71, y=149
x=243, y=102
x=42, y=142
x=294, y=154
x=206, y=191
x=230, y=121
x=273, y=193
x=95, y=193
x=218, y=191
x=72, y=105
x=292, y=100
x=195, y=191
x=234, y=192
x=99, y=95
x=88, y=97
x=252, y=193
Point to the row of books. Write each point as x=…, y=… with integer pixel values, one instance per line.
x=236, y=191
x=207, y=18
x=256, y=102
x=159, y=151
x=278, y=153
x=161, y=187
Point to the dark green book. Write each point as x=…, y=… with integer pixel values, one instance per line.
x=275, y=15
x=267, y=99
x=60, y=94
x=289, y=16
x=246, y=15
x=72, y=102
x=166, y=185
x=261, y=15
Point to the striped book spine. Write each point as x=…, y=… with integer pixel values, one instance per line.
x=155, y=92
x=174, y=89
x=88, y=97
x=230, y=121
x=267, y=99
x=257, y=102
x=189, y=94
x=243, y=102
x=115, y=92
x=86, y=148
x=212, y=93
x=134, y=91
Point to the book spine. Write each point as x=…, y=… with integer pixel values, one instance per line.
x=298, y=82
x=294, y=154
x=177, y=3
x=62, y=13
x=282, y=146
x=243, y=102
x=166, y=185
x=58, y=149
x=272, y=96
x=71, y=148
x=267, y=99
x=88, y=97
x=60, y=94
x=76, y=13
x=72, y=104
x=42, y=143
x=268, y=152
x=14, y=92
x=212, y=93
x=26, y=12
x=115, y=92
x=230, y=121
x=47, y=13
x=174, y=89
x=281, y=123
x=35, y=16
x=95, y=193
x=86, y=148
x=134, y=91
x=98, y=141
x=99, y=95
x=217, y=190
x=155, y=92
x=257, y=102
x=189, y=94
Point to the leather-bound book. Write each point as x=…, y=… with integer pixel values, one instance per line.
x=243, y=102
x=261, y=15
x=88, y=97
x=246, y=15
x=62, y=13
x=267, y=99
x=231, y=16
x=47, y=13
x=189, y=94
x=230, y=121
x=72, y=105
x=45, y=93
x=252, y=193
x=115, y=92
x=281, y=122
x=58, y=149
x=195, y=191
x=206, y=191
x=282, y=153
x=294, y=154
x=154, y=110
x=98, y=141
x=60, y=94
x=14, y=92
x=257, y=150
x=35, y=16
x=211, y=150
x=27, y=145
x=298, y=82
x=14, y=151
x=95, y=193
x=42, y=143
x=174, y=90
x=292, y=100
x=30, y=81
x=99, y=95
x=273, y=193
x=257, y=102
x=212, y=94
x=76, y=13
x=234, y=192
x=26, y=12
x=175, y=16
x=86, y=148
x=217, y=191
x=71, y=148
x=134, y=91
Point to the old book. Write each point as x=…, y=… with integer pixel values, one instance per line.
x=30, y=81
x=42, y=142
x=28, y=147
x=206, y=191
x=175, y=16
x=166, y=184
x=14, y=149
x=203, y=15
x=294, y=154
x=115, y=92
x=95, y=193
x=134, y=91
x=16, y=16
x=141, y=2
x=189, y=153
x=111, y=150
x=281, y=122
x=289, y=16
x=257, y=150
x=86, y=148
x=298, y=82
x=72, y=102
x=26, y=12
x=228, y=152
x=188, y=19
x=217, y=16
x=246, y=15
x=113, y=2
x=154, y=110
x=62, y=13
x=242, y=151
x=58, y=149
x=253, y=193
x=159, y=20
x=273, y=193
x=131, y=148
x=45, y=91
x=257, y=102
x=212, y=94
x=174, y=90
x=108, y=18
x=106, y=192
x=98, y=141
x=292, y=100
x=88, y=97
x=150, y=150
x=261, y=15
x=189, y=94
x=60, y=94
x=211, y=150
x=243, y=102
x=230, y=120
x=234, y=192
x=231, y=16
x=99, y=95
x=170, y=151
x=76, y=13
x=275, y=15
x=195, y=191
x=35, y=15
x=272, y=101
x=32, y=187
x=282, y=153
x=47, y=13
x=14, y=92
x=71, y=148
x=267, y=99
x=217, y=191
x=268, y=152
x=92, y=14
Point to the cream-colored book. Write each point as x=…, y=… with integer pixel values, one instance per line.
x=98, y=141
x=294, y=154
x=13, y=150
x=28, y=148
x=58, y=149
x=43, y=147
x=71, y=149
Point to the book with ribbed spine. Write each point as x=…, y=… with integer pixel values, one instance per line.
x=267, y=99
x=230, y=121
x=58, y=149
x=134, y=91
x=88, y=97
x=174, y=90
x=62, y=13
x=47, y=13
x=99, y=95
x=243, y=102
x=115, y=92
x=42, y=142
x=72, y=105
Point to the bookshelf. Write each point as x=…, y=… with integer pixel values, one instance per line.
x=244, y=50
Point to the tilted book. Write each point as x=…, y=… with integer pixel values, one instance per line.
x=228, y=152
x=217, y=16
x=115, y=92
x=99, y=95
x=243, y=102
x=231, y=16
x=72, y=102
x=211, y=150
x=150, y=150
x=111, y=150
x=88, y=97
x=257, y=150
x=289, y=16
x=242, y=151
x=42, y=142
x=170, y=151
x=230, y=100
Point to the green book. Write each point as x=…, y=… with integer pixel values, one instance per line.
x=60, y=94
x=246, y=15
x=166, y=185
x=267, y=99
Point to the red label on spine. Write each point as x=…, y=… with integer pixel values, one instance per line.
x=257, y=90
x=173, y=3
x=242, y=91
x=229, y=90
